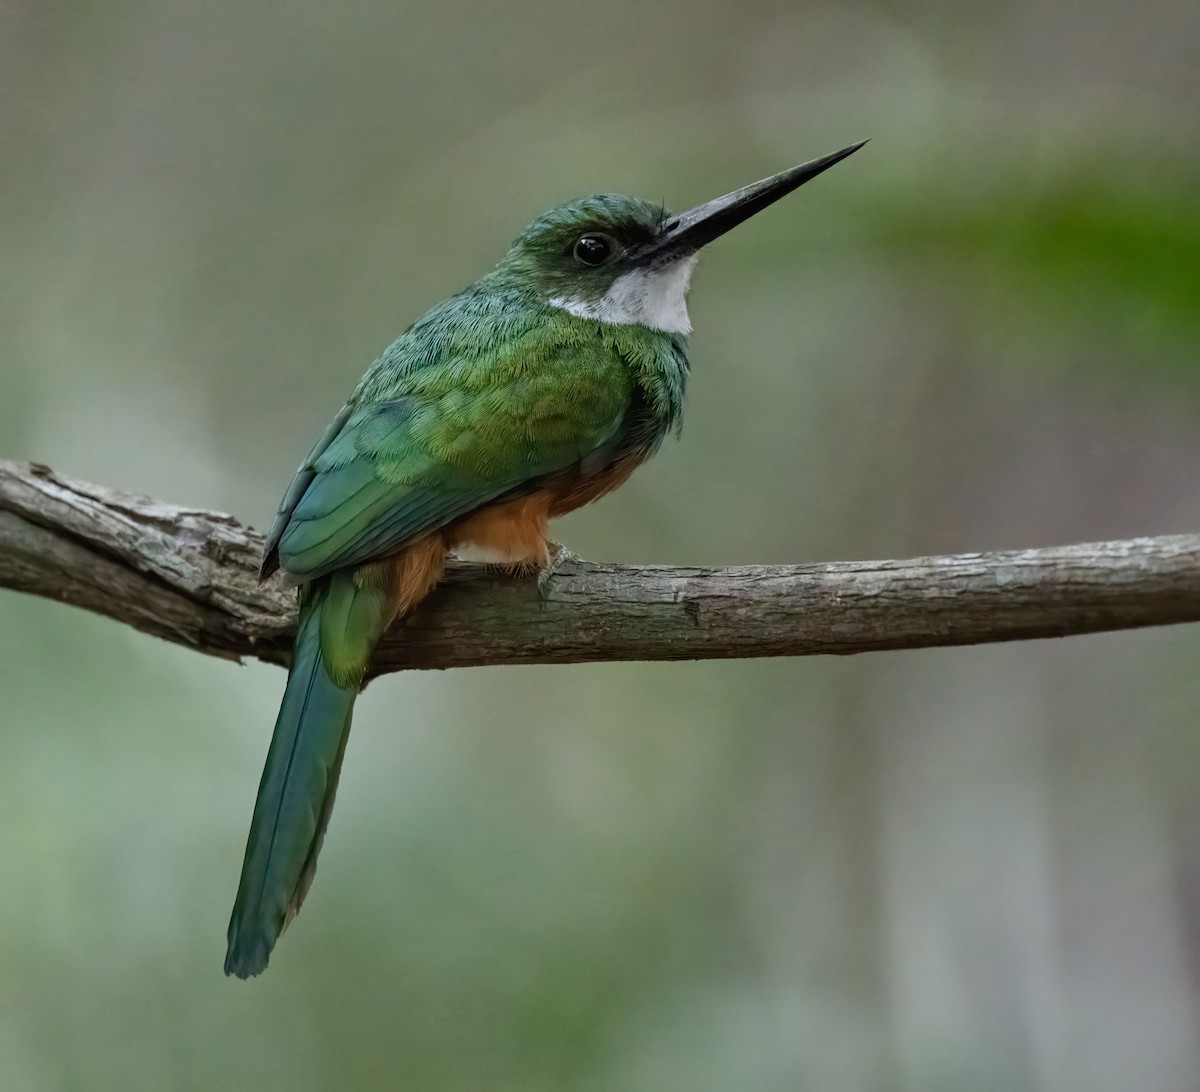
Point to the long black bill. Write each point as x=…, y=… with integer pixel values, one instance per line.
x=689, y=231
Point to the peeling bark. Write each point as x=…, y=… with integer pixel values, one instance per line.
x=189, y=576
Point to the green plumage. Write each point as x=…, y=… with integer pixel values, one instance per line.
x=423, y=446
x=490, y=393
x=339, y=624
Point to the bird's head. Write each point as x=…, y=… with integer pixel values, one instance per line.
x=622, y=260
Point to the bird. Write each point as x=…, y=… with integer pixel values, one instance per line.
x=539, y=388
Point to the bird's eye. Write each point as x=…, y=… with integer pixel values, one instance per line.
x=592, y=250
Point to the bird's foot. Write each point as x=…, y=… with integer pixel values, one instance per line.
x=557, y=556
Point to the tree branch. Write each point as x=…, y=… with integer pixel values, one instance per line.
x=190, y=577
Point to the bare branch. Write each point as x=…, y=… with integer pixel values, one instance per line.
x=189, y=577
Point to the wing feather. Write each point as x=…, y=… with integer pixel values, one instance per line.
x=387, y=472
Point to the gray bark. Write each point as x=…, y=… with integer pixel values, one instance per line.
x=190, y=577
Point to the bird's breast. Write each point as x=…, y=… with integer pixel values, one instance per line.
x=571, y=492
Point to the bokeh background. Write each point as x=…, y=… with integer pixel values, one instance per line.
x=965, y=869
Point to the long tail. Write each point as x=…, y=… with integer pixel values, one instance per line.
x=340, y=621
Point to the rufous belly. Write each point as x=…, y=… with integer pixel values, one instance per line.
x=510, y=533
x=515, y=532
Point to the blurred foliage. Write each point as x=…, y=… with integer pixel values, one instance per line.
x=956, y=869
x=1081, y=257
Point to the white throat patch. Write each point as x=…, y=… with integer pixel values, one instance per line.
x=648, y=297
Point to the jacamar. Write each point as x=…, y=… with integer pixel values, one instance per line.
x=539, y=388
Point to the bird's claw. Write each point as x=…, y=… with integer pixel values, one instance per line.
x=558, y=556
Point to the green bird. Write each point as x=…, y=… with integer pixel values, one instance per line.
x=539, y=388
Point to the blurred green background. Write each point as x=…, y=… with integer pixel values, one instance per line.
x=946, y=870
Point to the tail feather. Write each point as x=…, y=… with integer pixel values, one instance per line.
x=310, y=862
x=295, y=796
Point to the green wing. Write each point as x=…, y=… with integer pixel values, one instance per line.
x=452, y=438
